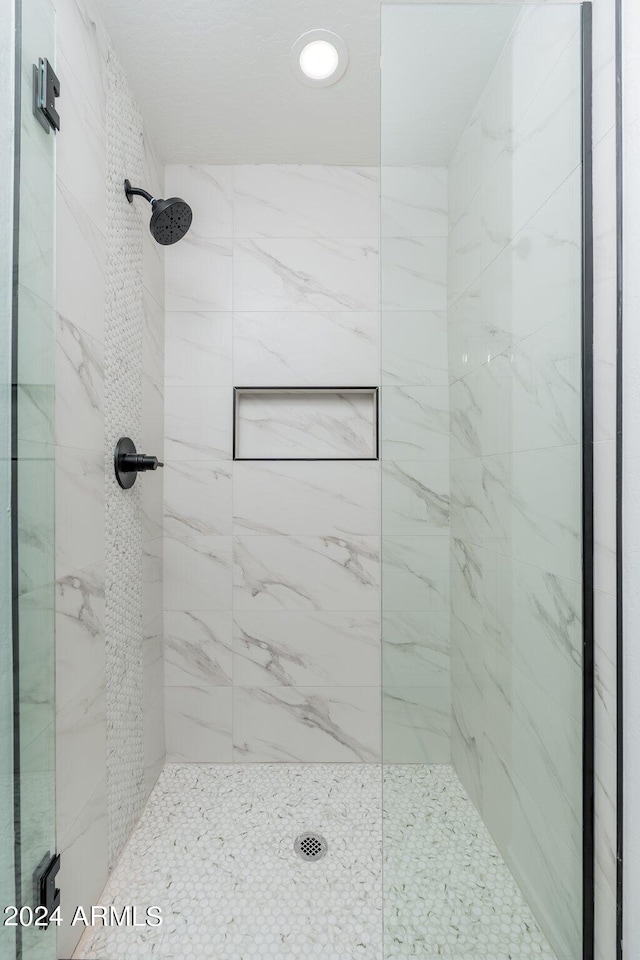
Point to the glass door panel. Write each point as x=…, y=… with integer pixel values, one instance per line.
x=482, y=512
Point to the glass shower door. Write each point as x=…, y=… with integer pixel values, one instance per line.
x=27, y=571
x=7, y=864
x=482, y=448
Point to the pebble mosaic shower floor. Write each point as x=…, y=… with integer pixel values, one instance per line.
x=214, y=850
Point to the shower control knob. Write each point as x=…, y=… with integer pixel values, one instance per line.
x=128, y=463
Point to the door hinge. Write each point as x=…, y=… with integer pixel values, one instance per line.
x=47, y=895
x=46, y=88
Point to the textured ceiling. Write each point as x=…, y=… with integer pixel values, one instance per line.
x=214, y=81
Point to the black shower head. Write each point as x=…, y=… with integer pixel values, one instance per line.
x=170, y=219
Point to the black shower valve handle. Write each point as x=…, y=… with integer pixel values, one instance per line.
x=128, y=463
x=138, y=462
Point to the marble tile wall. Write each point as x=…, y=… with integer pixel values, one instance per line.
x=83, y=51
x=514, y=350
x=271, y=569
x=415, y=467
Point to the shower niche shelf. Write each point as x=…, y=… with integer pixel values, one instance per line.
x=305, y=423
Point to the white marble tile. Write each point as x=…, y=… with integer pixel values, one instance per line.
x=468, y=682
x=415, y=498
x=415, y=649
x=543, y=149
x=474, y=337
x=537, y=278
x=81, y=153
x=153, y=166
x=198, y=648
x=36, y=339
x=307, y=499
x=466, y=418
x=37, y=817
x=306, y=573
x=153, y=660
x=536, y=385
x=306, y=201
x=535, y=619
x=292, y=275
x=414, y=202
x=238, y=853
x=198, y=349
x=534, y=498
x=306, y=424
x=198, y=724
x=198, y=423
x=470, y=513
x=197, y=573
x=37, y=519
x=79, y=509
x=80, y=732
x=547, y=872
x=153, y=426
x=83, y=43
x=416, y=725
x=79, y=398
x=151, y=501
x=37, y=611
x=436, y=848
x=152, y=580
x=198, y=498
x=198, y=274
x=414, y=347
x=539, y=745
x=540, y=36
x=36, y=420
x=415, y=573
x=83, y=865
x=37, y=204
x=153, y=261
x=80, y=264
x=153, y=337
x=154, y=737
x=314, y=724
x=80, y=631
x=287, y=648
x=208, y=190
x=302, y=348
x=414, y=274
x=415, y=423
x=465, y=244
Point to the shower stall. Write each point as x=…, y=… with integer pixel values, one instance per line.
x=324, y=684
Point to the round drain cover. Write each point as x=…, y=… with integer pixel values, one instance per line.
x=310, y=846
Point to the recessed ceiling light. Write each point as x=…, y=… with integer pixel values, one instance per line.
x=319, y=57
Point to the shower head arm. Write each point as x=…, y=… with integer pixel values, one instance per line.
x=132, y=192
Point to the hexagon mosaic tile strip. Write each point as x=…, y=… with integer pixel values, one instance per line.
x=214, y=849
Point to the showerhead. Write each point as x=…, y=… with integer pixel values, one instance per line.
x=170, y=219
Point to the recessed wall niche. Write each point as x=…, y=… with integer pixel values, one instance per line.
x=305, y=423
